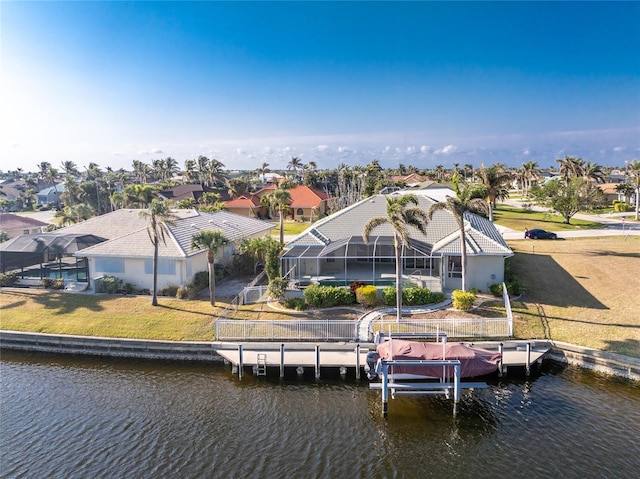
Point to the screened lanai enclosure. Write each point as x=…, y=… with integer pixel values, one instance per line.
x=351, y=259
x=47, y=255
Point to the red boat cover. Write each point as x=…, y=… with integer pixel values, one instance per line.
x=473, y=361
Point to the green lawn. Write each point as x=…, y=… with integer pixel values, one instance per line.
x=518, y=219
x=291, y=228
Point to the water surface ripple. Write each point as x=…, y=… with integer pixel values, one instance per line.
x=75, y=418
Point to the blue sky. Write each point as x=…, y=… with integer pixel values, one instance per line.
x=418, y=83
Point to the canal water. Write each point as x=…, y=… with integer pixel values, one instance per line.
x=65, y=417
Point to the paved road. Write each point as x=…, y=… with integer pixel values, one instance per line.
x=613, y=222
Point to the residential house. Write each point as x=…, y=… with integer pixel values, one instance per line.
x=332, y=250
x=128, y=252
x=15, y=225
x=50, y=194
x=190, y=192
x=306, y=203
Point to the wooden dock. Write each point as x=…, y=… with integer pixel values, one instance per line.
x=262, y=356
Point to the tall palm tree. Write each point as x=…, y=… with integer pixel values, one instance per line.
x=160, y=218
x=458, y=206
x=70, y=168
x=216, y=173
x=593, y=171
x=571, y=167
x=400, y=216
x=633, y=169
x=530, y=172
x=262, y=170
x=280, y=200
x=294, y=165
x=496, y=180
x=212, y=241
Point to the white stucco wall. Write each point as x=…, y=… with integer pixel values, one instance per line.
x=483, y=271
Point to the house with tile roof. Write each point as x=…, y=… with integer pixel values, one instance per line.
x=190, y=192
x=332, y=250
x=306, y=203
x=16, y=225
x=50, y=194
x=128, y=254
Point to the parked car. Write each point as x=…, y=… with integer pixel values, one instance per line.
x=540, y=234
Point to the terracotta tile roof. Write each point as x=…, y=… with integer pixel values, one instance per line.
x=10, y=221
x=243, y=202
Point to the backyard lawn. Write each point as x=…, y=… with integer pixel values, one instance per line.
x=581, y=291
x=518, y=219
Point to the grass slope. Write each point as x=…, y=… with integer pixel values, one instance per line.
x=583, y=291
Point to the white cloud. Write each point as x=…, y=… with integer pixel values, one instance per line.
x=157, y=151
x=618, y=149
x=322, y=148
x=386, y=149
x=526, y=152
x=447, y=150
x=425, y=149
x=411, y=150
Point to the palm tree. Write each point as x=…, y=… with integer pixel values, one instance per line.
x=70, y=168
x=160, y=218
x=633, y=169
x=530, y=172
x=466, y=201
x=495, y=179
x=212, y=241
x=294, y=165
x=279, y=200
x=593, y=171
x=400, y=216
x=216, y=173
x=262, y=170
x=571, y=167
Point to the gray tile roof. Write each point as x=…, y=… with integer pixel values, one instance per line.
x=442, y=230
x=135, y=241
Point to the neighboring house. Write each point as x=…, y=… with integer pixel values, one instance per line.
x=50, y=195
x=610, y=192
x=411, y=180
x=306, y=203
x=128, y=252
x=190, y=192
x=15, y=225
x=332, y=250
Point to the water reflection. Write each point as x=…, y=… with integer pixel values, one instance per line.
x=91, y=417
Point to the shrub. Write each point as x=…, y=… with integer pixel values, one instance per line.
x=186, y=292
x=437, y=298
x=496, y=289
x=463, y=300
x=416, y=296
x=355, y=285
x=201, y=280
x=277, y=287
x=111, y=284
x=327, y=296
x=296, y=303
x=8, y=279
x=169, y=290
x=514, y=287
x=367, y=295
x=389, y=296
x=622, y=207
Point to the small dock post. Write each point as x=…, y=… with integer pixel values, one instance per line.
x=317, y=361
x=528, y=365
x=358, y=361
x=385, y=389
x=281, y=360
x=240, y=361
x=500, y=364
x=456, y=388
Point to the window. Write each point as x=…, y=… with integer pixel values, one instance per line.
x=165, y=267
x=109, y=265
x=300, y=212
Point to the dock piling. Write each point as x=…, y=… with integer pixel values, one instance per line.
x=317, y=361
x=500, y=364
x=358, y=361
x=528, y=362
x=281, y=360
x=240, y=365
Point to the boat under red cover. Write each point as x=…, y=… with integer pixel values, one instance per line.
x=474, y=361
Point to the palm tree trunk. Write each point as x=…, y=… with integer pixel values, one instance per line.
x=398, y=281
x=154, y=299
x=281, y=227
x=212, y=283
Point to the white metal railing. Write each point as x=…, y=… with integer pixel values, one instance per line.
x=298, y=330
x=452, y=327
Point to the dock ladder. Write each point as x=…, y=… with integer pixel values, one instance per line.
x=261, y=364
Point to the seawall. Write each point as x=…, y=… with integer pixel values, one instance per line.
x=601, y=361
